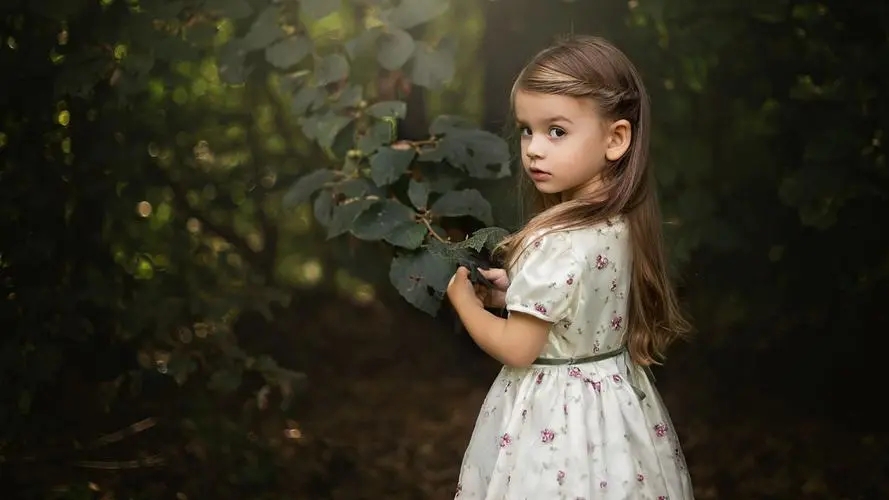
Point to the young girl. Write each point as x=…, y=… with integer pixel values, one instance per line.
x=573, y=414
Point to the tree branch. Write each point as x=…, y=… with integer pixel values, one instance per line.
x=180, y=200
x=260, y=157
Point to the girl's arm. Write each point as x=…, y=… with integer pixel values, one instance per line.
x=515, y=341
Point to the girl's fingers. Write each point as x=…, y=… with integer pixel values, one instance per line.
x=493, y=274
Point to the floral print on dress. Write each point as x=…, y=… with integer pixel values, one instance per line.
x=545, y=278
x=550, y=431
x=601, y=262
x=547, y=435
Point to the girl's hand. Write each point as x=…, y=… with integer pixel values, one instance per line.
x=494, y=297
x=461, y=290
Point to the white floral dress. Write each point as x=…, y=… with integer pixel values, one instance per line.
x=587, y=429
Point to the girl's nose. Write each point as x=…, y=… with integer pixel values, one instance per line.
x=535, y=149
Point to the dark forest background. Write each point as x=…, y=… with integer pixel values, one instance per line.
x=185, y=316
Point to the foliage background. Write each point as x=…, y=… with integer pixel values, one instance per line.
x=178, y=319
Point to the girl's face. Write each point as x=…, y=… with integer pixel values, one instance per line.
x=566, y=143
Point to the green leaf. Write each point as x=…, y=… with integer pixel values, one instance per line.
x=266, y=365
x=364, y=43
x=80, y=76
x=451, y=253
x=350, y=97
x=332, y=68
x=233, y=71
x=202, y=34
x=358, y=188
x=445, y=124
x=174, y=48
x=378, y=222
x=480, y=153
x=411, y=13
x=379, y=134
x=487, y=237
x=388, y=109
x=421, y=279
x=388, y=164
x=459, y=254
x=136, y=63
x=288, y=83
x=441, y=177
x=323, y=207
x=409, y=235
x=344, y=216
x=306, y=99
x=288, y=52
x=180, y=367
x=225, y=380
x=317, y=9
x=232, y=9
x=324, y=128
x=418, y=192
x=306, y=186
x=232, y=63
x=395, y=49
x=265, y=30
x=162, y=9
x=329, y=126
x=344, y=141
x=138, y=29
x=432, y=67
x=309, y=125
x=466, y=202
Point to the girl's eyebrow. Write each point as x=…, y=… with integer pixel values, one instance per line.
x=559, y=118
x=552, y=119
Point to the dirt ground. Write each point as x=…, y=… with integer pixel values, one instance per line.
x=393, y=396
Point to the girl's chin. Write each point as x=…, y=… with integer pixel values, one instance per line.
x=546, y=188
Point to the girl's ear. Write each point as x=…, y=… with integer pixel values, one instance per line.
x=618, y=141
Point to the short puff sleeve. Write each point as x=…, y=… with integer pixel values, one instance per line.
x=546, y=280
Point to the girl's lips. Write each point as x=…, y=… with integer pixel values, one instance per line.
x=538, y=175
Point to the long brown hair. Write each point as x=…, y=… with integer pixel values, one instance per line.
x=592, y=68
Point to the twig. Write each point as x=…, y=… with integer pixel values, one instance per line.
x=152, y=461
x=135, y=428
x=425, y=142
x=432, y=231
x=180, y=199
x=258, y=155
x=67, y=454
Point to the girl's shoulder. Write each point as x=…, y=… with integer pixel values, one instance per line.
x=614, y=227
x=579, y=240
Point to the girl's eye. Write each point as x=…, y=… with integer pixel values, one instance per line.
x=556, y=132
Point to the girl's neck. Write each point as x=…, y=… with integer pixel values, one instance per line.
x=592, y=190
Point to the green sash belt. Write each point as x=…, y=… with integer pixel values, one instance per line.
x=600, y=357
